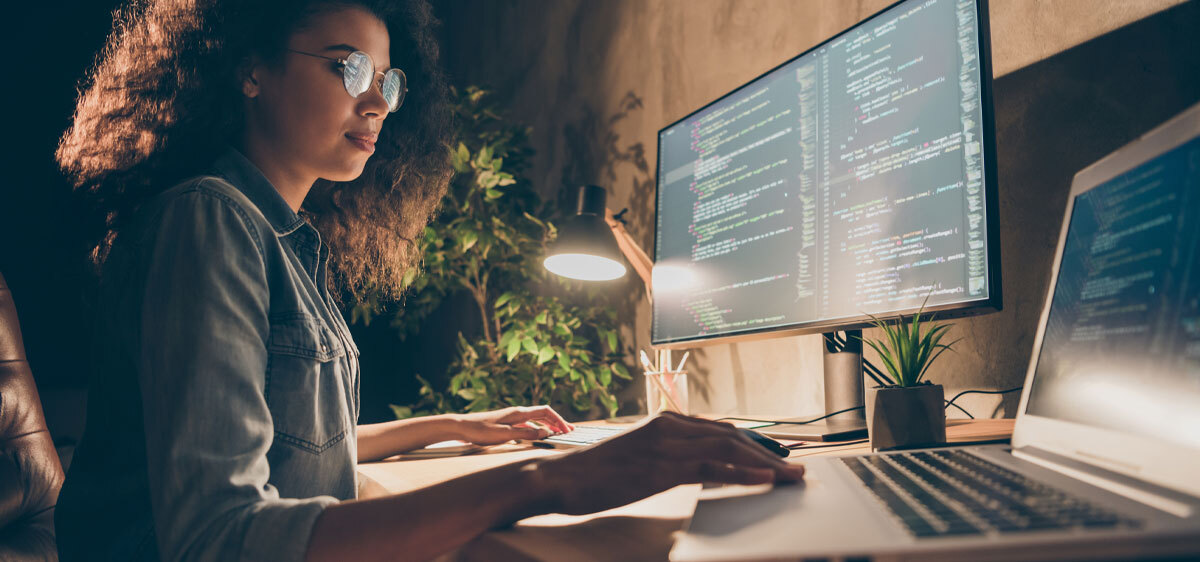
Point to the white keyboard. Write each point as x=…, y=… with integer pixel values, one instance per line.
x=583, y=436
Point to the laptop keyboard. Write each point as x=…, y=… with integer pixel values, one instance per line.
x=584, y=435
x=955, y=493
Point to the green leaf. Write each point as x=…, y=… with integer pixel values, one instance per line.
x=408, y=277
x=887, y=360
x=611, y=336
x=562, y=330
x=503, y=299
x=467, y=393
x=620, y=371
x=514, y=347
x=493, y=194
x=401, y=412
x=545, y=354
x=564, y=361
x=942, y=348
x=534, y=219
x=468, y=239
x=605, y=376
x=530, y=346
x=483, y=178
x=541, y=317
x=505, y=337
x=461, y=158
x=610, y=403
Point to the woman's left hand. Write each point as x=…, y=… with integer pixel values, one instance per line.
x=499, y=426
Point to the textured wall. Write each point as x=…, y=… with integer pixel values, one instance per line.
x=597, y=79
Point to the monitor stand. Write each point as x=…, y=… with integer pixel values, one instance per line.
x=843, y=364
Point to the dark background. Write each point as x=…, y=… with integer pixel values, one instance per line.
x=1052, y=118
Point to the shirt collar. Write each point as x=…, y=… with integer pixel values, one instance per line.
x=247, y=178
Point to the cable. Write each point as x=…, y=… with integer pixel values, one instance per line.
x=794, y=422
x=868, y=369
x=873, y=372
x=950, y=402
x=960, y=408
x=806, y=445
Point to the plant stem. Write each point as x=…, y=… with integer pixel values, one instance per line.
x=537, y=389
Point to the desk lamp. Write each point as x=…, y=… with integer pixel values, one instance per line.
x=591, y=242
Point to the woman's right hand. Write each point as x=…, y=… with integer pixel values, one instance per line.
x=660, y=454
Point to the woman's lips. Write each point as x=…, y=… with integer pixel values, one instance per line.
x=364, y=142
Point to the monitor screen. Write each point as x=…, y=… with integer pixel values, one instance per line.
x=854, y=179
x=1121, y=348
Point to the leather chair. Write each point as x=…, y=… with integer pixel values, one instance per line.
x=30, y=472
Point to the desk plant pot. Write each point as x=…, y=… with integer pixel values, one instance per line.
x=905, y=411
x=906, y=416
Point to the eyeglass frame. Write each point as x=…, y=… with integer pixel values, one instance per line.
x=342, y=62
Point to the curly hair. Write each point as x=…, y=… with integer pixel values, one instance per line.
x=162, y=100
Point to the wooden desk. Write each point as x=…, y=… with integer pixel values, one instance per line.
x=639, y=531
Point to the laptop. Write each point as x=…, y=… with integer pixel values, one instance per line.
x=1105, y=455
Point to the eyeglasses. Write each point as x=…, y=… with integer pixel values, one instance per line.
x=358, y=72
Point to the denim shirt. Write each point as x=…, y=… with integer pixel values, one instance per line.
x=222, y=414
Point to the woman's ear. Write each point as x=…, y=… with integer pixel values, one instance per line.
x=248, y=76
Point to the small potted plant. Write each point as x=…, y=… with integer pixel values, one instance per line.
x=910, y=411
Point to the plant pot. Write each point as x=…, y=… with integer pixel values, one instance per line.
x=906, y=417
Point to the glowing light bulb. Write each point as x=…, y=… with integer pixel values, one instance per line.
x=584, y=267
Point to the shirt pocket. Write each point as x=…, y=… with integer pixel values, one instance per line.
x=306, y=390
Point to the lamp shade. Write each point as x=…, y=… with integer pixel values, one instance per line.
x=585, y=248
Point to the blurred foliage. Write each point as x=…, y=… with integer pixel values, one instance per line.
x=489, y=240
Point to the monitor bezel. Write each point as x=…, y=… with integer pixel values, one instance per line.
x=1146, y=457
x=994, y=301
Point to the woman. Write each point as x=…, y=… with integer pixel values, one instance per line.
x=228, y=146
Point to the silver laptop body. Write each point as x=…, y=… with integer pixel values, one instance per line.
x=1110, y=411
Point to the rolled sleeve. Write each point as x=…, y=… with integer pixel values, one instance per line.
x=202, y=367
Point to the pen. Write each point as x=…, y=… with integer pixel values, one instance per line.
x=646, y=361
x=665, y=394
x=682, y=361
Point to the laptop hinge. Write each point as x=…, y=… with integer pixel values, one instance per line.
x=1160, y=498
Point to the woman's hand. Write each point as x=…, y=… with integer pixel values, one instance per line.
x=499, y=426
x=658, y=455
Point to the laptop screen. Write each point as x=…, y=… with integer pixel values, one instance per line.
x=1122, y=341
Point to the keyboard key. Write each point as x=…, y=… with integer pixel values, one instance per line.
x=955, y=493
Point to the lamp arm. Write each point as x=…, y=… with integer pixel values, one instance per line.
x=632, y=251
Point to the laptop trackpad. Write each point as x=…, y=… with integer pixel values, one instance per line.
x=818, y=516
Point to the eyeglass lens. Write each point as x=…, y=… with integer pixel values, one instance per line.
x=359, y=72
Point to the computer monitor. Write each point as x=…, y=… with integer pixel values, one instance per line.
x=856, y=178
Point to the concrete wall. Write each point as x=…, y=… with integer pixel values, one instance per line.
x=597, y=79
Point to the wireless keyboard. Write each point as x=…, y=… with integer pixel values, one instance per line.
x=583, y=436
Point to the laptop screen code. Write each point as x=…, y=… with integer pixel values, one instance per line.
x=1122, y=343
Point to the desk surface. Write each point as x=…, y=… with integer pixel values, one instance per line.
x=639, y=531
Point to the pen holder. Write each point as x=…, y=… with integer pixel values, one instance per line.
x=666, y=391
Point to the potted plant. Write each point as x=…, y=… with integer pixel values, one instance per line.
x=910, y=411
x=525, y=343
